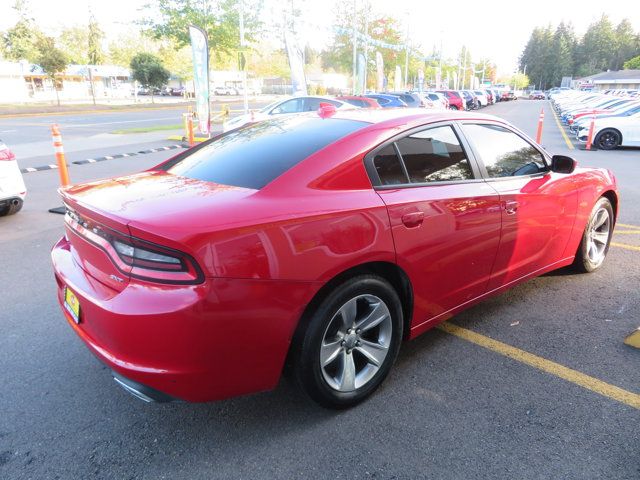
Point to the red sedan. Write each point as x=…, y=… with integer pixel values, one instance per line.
x=315, y=242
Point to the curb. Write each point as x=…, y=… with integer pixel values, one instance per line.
x=101, y=159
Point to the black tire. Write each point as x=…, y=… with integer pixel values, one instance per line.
x=11, y=208
x=584, y=262
x=608, y=139
x=308, y=372
x=453, y=107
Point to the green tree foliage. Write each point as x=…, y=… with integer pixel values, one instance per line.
x=632, y=64
x=95, y=35
x=220, y=21
x=339, y=55
x=52, y=60
x=73, y=41
x=147, y=70
x=20, y=42
x=550, y=55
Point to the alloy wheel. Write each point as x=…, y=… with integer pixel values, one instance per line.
x=598, y=236
x=355, y=343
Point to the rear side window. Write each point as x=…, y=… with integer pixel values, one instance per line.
x=434, y=155
x=253, y=156
x=313, y=104
x=504, y=153
x=388, y=166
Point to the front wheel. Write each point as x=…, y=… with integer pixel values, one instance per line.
x=453, y=107
x=608, y=139
x=351, y=341
x=596, y=237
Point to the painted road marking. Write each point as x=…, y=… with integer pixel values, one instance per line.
x=564, y=134
x=590, y=383
x=625, y=246
x=626, y=225
x=627, y=232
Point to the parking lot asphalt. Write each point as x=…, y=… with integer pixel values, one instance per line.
x=451, y=409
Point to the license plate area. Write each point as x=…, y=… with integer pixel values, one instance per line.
x=71, y=304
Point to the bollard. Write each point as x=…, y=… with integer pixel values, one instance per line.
x=540, y=122
x=190, y=130
x=591, y=128
x=61, y=161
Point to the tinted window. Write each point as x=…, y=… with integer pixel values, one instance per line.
x=253, y=156
x=434, y=155
x=389, y=167
x=503, y=152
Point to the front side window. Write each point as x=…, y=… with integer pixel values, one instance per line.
x=504, y=153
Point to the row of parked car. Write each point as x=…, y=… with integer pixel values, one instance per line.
x=431, y=99
x=615, y=115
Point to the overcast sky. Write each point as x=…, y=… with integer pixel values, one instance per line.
x=497, y=30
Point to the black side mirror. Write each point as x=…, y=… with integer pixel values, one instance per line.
x=563, y=164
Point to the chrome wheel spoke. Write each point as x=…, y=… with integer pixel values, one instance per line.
x=601, y=217
x=348, y=313
x=374, y=318
x=347, y=380
x=601, y=237
x=373, y=352
x=329, y=352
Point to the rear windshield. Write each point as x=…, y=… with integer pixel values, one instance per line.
x=253, y=156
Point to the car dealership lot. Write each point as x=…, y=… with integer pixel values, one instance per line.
x=450, y=408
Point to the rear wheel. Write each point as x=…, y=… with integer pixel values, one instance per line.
x=351, y=341
x=608, y=139
x=596, y=237
x=453, y=107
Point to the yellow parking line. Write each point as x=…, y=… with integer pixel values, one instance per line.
x=625, y=246
x=564, y=135
x=627, y=232
x=590, y=383
x=626, y=225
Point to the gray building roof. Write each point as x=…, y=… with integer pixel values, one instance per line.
x=616, y=76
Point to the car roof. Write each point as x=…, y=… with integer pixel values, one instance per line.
x=404, y=116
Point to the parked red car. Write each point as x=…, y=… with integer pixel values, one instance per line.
x=456, y=102
x=321, y=243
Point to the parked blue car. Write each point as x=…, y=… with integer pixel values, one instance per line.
x=386, y=101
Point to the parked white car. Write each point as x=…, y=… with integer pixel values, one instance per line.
x=613, y=132
x=483, y=101
x=283, y=107
x=12, y=188
x=222, y=90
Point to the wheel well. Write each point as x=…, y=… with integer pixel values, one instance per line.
x=613, y=198
x=398, y=279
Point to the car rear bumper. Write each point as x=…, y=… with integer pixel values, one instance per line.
x=204, y=342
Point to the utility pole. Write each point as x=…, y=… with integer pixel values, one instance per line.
x=355, y=49
x=243, y=65
x=406, y=58
x=366, y=47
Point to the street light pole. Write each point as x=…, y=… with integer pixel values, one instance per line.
x=243, y=65
x=406, y=58
x=355, y=50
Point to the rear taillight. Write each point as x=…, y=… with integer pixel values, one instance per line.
x=136, y=257
x=5, y=153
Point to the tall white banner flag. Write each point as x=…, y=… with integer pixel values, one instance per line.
x=397, y=80
x=296, y=63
